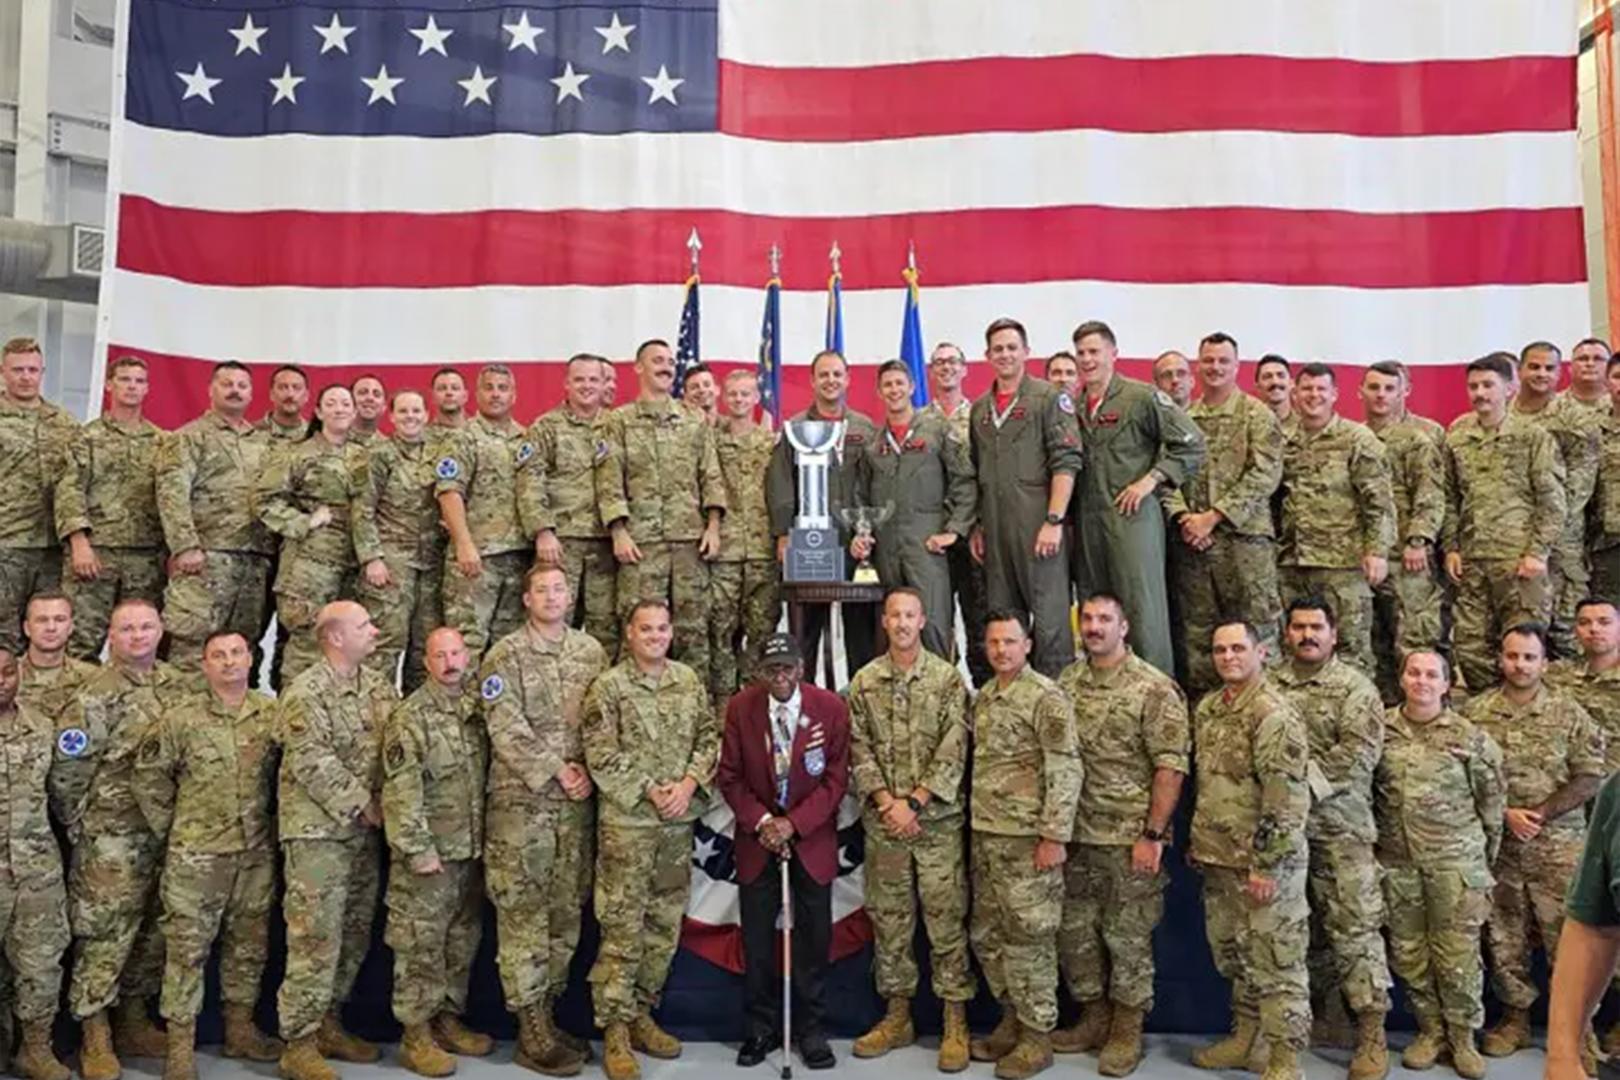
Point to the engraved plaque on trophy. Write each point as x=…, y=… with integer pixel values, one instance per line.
x=813, y=552
x=863, y=521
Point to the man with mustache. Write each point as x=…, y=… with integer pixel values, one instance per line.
x=1344, y=720
x=220, y=553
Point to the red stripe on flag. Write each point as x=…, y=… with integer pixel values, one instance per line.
x=604, y=248
x=180, y=384
x=1190, y=93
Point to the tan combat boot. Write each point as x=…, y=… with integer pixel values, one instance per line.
x=1331, y=1026
x=302, y=1060
x=1428, y=1046
x=1282, y=1063
x=96, y=1058
x=890, y=1033
x=1511, y=1033
x=953, y=1044
x=456, y=1037
x=999, y=1043
x=37, y=1060
x=336, y=1042
x=652, y=1040
x=243, y=1039
x=1030, y=1055
x=180, y=1063
x=1231, y=1052
x=420, y=1054
x=574, y=1043
x=539, y=1048
x=134, y=1033
x=618, y=1059
x=1122, y=1053
x=1371, y=1061
x=1086, y=1034
x=1465, y=1056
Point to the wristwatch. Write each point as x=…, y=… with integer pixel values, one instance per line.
x=1155, y=835
x=1054, y=519
x=1416, y=541
x=911, y=801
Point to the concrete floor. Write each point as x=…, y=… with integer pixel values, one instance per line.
x=1167, y=1059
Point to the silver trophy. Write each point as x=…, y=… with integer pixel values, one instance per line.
x=863, y=521
x=814, y=554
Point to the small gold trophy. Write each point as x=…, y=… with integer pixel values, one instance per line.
x=863, y=521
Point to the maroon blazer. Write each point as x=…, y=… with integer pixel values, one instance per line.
x=747, y=778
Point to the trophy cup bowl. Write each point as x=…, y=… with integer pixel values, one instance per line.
x=813, y=552
x=863, y=521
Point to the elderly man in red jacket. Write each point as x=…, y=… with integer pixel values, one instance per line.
x=783, y=769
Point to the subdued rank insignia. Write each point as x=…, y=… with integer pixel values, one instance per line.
x=150, y=749
x=493, y=687
x=73, y=742
x=297, y=726
x=448, y=468
x=396, y=755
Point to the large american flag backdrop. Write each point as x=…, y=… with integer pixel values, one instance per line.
x=380, y=185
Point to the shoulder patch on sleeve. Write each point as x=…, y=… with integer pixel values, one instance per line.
x=448, y=468
x=396, y=754
x=73, y=742
x=151, y=748
x=525, y=452
x=492, y=688
x=602, y=449
x=1065, y=402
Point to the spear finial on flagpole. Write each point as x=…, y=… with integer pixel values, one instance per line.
x=911, y=256
x=776, y=261
x=837, y=258
x=694, y=246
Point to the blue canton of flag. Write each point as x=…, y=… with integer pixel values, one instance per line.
x=435, y=68
x=835, y=313
x=911, y=339
x=770, y=352
x=687, y=349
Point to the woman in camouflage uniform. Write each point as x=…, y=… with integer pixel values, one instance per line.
x=399, y=542
x=303, y=496
x=1439, y=797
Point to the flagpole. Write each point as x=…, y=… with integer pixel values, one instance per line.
x=688, y=346
x=834, y=337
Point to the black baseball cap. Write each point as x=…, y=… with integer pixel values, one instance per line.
x=779, y=650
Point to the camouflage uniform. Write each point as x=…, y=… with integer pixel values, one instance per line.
x=112, y=885
x=1132, y=722
x=1439, y=798
x=480, y=463
x=661, y=476
x=967, y=576
x=925, y=477
x=395, y=518
x=1545, y=745
x=34, y=446
x=1344, y=721
x=1576, y=431
x=1603, y=533
x=641, y=730
x=1133, y=430
x=557, y=490
x=317, y=565
x=1408, y=607
x=278, y=432
x=1026, y=782
x=1237, y=576
x=1015, y=458
x=53, y=691
x=434, y=763
x=204, y=779
x=1599, y=694
x=205, y=477
x=331, y=769
x=745, y=601
x=33, y=902
x=1252, y=755
x=908, y=729
x=1337, y=508
x=541, y=844
x=108, y=490
x=1505, y=500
